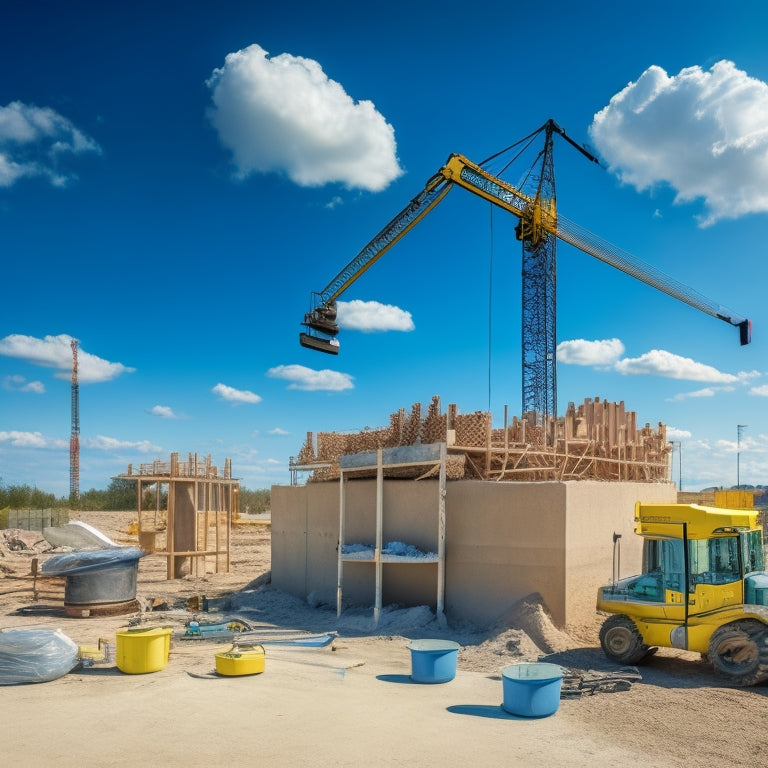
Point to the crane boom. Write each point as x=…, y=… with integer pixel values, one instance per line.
x=413, y=213
x=539, y=228
x=540, y=219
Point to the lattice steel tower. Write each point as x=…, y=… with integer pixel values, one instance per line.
x=74, y=440
x=539, y=334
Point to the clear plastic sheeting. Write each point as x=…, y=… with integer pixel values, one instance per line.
x=35, y=655
x=72, y=563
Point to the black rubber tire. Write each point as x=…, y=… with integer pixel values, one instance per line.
x=621, y=640
x=740, y=651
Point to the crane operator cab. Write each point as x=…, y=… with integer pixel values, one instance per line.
x=702, y=588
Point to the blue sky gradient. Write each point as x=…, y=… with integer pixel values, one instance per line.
x=177, y=178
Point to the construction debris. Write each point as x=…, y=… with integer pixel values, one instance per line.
x=577, y=684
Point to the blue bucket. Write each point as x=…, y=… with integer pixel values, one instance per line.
x=532, y=690
x=433, y=661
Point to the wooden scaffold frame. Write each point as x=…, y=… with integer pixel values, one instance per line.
x=196, y=525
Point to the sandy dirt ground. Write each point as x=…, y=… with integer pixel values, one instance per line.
x=353, y=702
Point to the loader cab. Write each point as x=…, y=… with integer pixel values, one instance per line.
x=671, y=562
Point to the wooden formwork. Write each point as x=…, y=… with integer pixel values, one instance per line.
x=595, y=441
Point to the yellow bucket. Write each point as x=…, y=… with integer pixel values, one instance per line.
x=143, y=650
x=241, y=660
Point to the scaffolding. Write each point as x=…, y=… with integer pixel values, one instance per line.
x=597, y=440
x=193, y=529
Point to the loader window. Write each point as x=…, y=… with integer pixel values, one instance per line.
x=714, y=561
x=663, y=562
x=752, y=551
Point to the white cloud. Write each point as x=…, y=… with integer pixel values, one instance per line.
x=164, y=412
x=704, y=133
x=284, y=114
x=278, y=431
x=761, y=391
x=19, y=384
x=370, y=316
x=677, y=434
x=56, y=352
x=659, y=362
x=30, y=440
x=34, y=139
x=706, y=392
x=604, y=352
x=235, y=395
x=103, y=443
x=309, y=379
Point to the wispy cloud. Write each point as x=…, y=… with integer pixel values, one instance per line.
x=163, y=411
x=236, y=396
x=706, y=392
x=284, y=114
x=104, y=443
x=33, y=142
x=278, y=431
x=20, y=384
x=31, y=440
x=56, y=352
x=371, y=316
x=309, y=379
x=703, y=133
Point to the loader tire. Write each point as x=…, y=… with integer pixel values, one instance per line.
x=621, y=640
x=740, y=652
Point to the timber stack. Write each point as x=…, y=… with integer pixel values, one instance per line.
x=595, y=441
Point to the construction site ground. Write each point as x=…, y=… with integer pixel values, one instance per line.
x=353, y=702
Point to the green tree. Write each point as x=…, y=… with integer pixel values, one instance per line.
x=255, y=501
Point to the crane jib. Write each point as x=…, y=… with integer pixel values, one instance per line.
x=419, y=207
x=477, y=180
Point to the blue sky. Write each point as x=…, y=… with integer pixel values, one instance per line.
x=177, y=178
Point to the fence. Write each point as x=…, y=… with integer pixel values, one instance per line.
x=33, y=519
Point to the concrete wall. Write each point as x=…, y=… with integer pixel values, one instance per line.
x=595, y=511
x=503, y=542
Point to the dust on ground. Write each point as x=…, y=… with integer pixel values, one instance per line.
x=678, y=707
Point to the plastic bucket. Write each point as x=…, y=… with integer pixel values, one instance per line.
x=433, y=661
x=241, y=660
x=532, y=690
x=143, y=650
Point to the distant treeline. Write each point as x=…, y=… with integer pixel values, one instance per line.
x=119, y=495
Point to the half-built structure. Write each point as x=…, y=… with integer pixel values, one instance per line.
x=450, y=512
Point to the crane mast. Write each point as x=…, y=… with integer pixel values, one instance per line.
x=539, y=288
x=538, y=229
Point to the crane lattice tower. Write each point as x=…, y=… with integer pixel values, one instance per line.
x=74, y=440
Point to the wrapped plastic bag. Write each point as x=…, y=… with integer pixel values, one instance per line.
x=78, y=562
x=35, y=655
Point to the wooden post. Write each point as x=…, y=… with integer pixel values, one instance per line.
x=379, y=533
x=340, y=547
x=441, y=534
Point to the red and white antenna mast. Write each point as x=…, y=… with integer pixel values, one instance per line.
x=74, y=440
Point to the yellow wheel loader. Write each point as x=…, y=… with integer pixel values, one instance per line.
x=703, y=588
